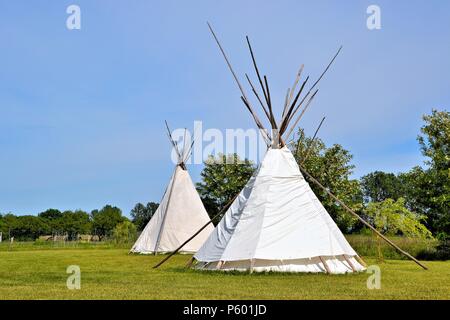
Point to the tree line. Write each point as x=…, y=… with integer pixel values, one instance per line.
x=70, y=225
x=413, y=203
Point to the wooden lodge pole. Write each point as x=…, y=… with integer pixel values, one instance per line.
x=361, y=219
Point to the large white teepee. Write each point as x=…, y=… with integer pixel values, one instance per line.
x=277, y=223
x=180, y=214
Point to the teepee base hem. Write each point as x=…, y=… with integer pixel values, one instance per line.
x=335, y=265
x=160, y=252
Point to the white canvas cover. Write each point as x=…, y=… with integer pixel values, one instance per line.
x=277, y=224
x=180, y=214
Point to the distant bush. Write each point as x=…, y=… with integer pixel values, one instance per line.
x=124, y=232
x=40, y=242
x=441, y=252
x=366, y=245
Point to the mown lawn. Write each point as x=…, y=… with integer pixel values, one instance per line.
x=113, y=274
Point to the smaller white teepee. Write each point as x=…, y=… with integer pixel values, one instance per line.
x=180, y=214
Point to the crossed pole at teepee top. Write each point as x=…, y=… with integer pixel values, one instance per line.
x=289, y=112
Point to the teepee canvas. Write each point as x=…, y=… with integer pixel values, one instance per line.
x=180, y=214
x=277, y=223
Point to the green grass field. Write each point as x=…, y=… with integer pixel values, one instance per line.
x=108, y=273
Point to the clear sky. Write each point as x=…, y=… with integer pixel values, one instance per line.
x=82, y=111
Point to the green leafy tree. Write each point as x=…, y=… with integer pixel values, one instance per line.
x=54, y=219
x=332, y=168
x=415, y=187
x=435, y=145
x=51, y=214
x=379, y=186
x=25, y=227
x=8, y=223
x=3, y=227
x=125, y=232
x=391, y=217
x=68, y=222
x=75, y=223
x=105, y=220
x=428, y=189
x=222, y=178
x=141, y=214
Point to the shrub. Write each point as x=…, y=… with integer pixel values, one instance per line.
x=441, y=252
x=366, y=245
x=124, y=232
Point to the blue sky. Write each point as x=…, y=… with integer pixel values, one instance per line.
x=82, y=111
